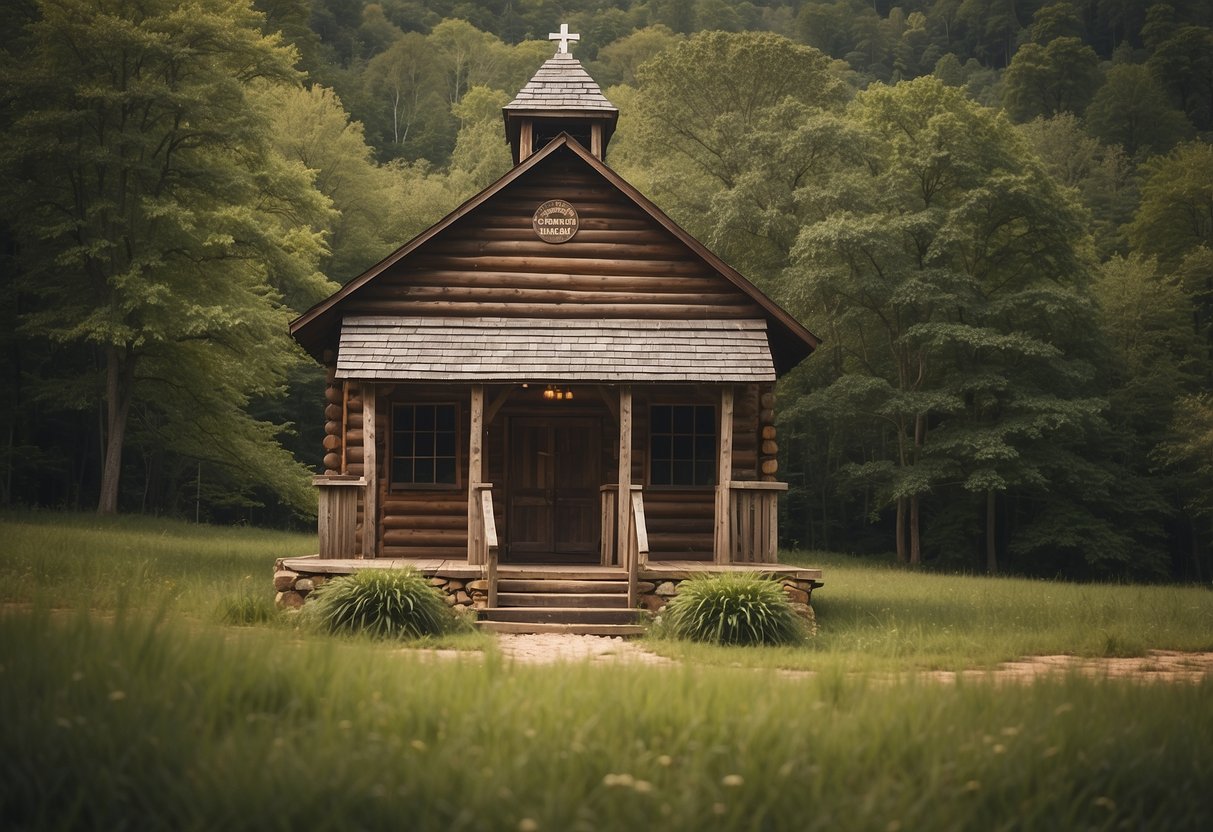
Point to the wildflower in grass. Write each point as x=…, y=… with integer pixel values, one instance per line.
x=732, y=781
x=117, y=695
x=973, y=786
x=642, y=787
x=624, y=780
x=999, y=749
x=418, y=745
x=719, y=808
x=528, y=825
x=665, y=760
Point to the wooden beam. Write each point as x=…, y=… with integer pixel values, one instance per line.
x=490, y=412
x=525, y=140
x=596, y=139
x=724, y=476
x=370, y=462
x=475, y=474
x=623, y=498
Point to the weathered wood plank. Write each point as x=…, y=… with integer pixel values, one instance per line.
x=724, y=474
x=370, y=537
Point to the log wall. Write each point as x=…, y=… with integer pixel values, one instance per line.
x=621, y=264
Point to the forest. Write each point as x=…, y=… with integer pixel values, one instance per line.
x=997, y=215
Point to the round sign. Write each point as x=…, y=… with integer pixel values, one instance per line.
x=555, y=221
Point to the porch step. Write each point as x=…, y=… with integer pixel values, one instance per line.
x=561, y=599
x=524, y=628
x=560, y=585
x=562, y=615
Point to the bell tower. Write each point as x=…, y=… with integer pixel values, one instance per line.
x=560, y=98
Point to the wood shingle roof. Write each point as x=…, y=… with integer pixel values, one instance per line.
x=561, y=84
x=544, y=349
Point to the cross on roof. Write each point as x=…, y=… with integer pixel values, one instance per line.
x=564, y=37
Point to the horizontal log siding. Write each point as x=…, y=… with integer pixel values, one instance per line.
x=422, y=522
x=621, y=264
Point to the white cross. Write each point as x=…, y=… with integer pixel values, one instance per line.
x=564, y=37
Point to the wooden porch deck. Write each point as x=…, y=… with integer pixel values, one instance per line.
x=662, y=570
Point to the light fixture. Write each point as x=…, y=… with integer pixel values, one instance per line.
x=555, y=392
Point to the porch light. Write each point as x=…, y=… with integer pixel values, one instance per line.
x=555, y=392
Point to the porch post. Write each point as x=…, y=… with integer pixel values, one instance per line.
x=724, y=474
x=475, y=474
x=370, y=468
x=623, y=499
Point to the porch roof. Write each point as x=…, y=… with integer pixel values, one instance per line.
x=551, y=350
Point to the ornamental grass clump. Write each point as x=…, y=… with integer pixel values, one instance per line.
x=733, y=610
x=384, y=603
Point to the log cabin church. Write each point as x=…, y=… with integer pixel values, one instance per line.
x=555, y=402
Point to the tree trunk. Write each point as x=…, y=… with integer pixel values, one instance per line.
x=915, y=540
x=991, y=527
x=900, y=532
x=119, y=376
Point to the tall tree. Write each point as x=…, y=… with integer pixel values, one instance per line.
x=156, y=223
x=954, y=281
x=729, y=147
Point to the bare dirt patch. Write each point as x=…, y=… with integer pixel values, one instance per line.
x=1155, y=666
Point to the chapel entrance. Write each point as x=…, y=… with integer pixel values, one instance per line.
x=554, y=473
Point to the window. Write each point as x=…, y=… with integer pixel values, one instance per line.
x=682, y=444
x=424, y=444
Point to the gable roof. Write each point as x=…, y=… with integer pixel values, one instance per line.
x=317, y=328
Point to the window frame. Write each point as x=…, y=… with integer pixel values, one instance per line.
x=392, y=456
x=672, y=459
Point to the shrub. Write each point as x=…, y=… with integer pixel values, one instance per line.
x=385, y=603
x=733, y=609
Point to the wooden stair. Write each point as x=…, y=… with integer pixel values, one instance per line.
x=580, y=606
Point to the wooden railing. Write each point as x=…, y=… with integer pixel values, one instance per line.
x=754, y=521
x=636, y=553
x=337, y=514
x=485, y=534
x=638, y=546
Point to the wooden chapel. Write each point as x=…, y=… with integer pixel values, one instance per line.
x=554, y=375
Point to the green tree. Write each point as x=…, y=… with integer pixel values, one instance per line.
x=156, y=223
x=1131, y=110
x=1058, y=77
x=310, y=127
x=954, y=284
x=1176, y=212
x=729, y=147
x=619, y=61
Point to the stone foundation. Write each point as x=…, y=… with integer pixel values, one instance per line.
x=293, y=586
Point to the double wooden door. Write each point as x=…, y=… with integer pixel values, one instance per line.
x=555, y=470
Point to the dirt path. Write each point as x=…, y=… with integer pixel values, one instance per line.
x=1155, y=666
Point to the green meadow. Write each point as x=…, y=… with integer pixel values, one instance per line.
x=132, y=702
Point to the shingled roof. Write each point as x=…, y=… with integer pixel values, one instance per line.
x=561, y=84
x=543, y=349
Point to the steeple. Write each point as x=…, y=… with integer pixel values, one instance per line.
x=560, y=98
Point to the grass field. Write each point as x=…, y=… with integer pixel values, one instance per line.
x=130, y=705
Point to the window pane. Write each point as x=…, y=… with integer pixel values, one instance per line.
x=661, y=419
x=445, y=444
x=425, y=417
x=404, y=416
x=683, y=448
x=705, y=473
x=660, y=473
x=423, y=470
x=684, y=419
x=445, y=471
x=683, y=473
x=705, y=447
x=424, y=444
x=444, y=417
x=402, y=470
x=661, y=448
x=705, y=419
